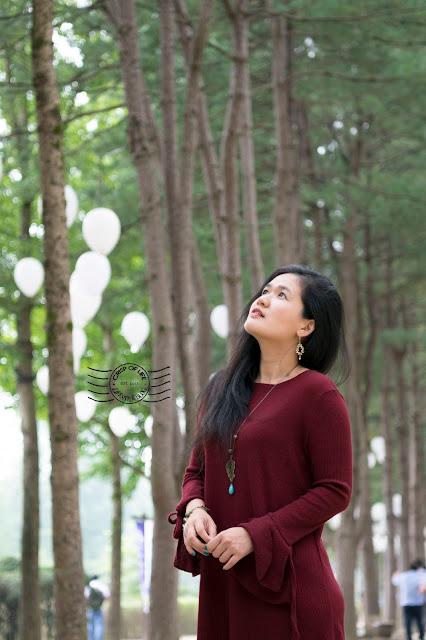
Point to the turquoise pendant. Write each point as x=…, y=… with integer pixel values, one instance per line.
x=231, y=489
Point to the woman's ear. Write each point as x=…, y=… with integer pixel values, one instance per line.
x=308, y=328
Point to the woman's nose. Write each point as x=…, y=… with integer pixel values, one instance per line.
x=261, y=300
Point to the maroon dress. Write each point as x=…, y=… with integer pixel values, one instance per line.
x=293, y=471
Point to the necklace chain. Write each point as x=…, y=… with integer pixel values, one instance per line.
x=230, y=465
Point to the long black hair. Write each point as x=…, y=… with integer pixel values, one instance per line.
x=223, y=402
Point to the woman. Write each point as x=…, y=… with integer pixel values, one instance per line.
x=253, y=506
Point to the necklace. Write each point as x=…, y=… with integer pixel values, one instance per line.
x=230, y=465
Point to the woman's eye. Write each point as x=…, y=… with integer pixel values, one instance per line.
x=281, y=292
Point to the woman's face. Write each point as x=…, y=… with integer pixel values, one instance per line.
x=281, y=307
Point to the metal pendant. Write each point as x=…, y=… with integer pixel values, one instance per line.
x=230, y=469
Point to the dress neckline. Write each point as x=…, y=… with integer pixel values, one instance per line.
x=270, y=384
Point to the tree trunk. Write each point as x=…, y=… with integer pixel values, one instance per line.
x=402, y=440
x=370, y=570
x=115, y=602
x=230, y=223
x=202, y=332
x=178, y=182
x=222, y=175
x=214, y=188
x=352, y=531
x=389, y=606
x=307, y=162
x=67, y=544
x=417, y=466
x=248, y=175
x=29, y=603
x=386, y=415
x=144, y=148
x=287, y=202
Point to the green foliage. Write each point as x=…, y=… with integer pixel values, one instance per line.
x=10, y=580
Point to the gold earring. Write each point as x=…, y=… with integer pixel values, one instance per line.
x=300, y=349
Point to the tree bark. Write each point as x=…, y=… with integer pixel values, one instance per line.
x=248, y=175
x=350, y=529
x=178, y=182
x=115, y=602
x=230, y=223
x=287, y=202
x=222, y=174
x=399, y=354
x=202, y=331
x=145, y=150
x=29, y=603
x=214, y=188
x=389, y=609
x=370, y=570
x=354, y=531
x=417, y=466
x=386, y=427
x=308, y=165
x=67, y=544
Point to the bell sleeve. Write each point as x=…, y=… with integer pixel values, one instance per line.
x=268, y=572
x=192, y=487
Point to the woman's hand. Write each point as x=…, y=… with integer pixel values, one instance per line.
x=201, y=523
x=230, y=545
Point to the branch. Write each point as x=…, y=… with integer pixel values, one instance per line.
x=13, y=16
x=229, y=9
x=342, y=76
x=264, y=13
x=93, y=112
x=136, y=470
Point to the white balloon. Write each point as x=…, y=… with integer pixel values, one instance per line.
x=83, y=306
x=79, y=343
x=93, y=272
x=146, y=457
x=42, y=379
x=147, y=425
x=377, y=446
x=378, y=511
x=85, y=407
x=101, y=230
x=380, y=543
x=120, y=420
x=397, y=504
x=76, y=365
x=135, y=328
x=219, y=320
x=29, y=276
x=71, y=204
x=334, y=522
x=371, y=460
x=182, y=421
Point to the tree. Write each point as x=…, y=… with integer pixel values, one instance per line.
x=67, y=544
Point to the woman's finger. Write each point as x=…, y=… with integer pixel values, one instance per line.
x=230, y=562
x=192, y=543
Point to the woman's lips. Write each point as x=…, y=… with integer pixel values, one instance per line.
x=254, y=314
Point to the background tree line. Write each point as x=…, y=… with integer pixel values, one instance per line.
x=229, y=138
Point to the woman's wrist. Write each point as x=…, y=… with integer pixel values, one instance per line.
x=195, y=502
